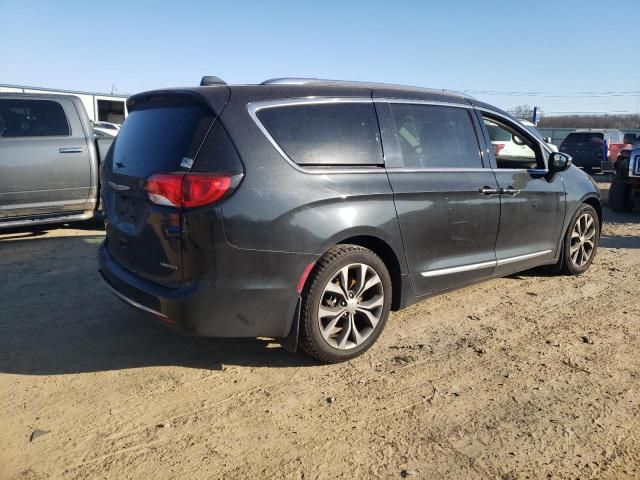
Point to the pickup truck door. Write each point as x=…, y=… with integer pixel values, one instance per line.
x=532, y=203
x=45, y=163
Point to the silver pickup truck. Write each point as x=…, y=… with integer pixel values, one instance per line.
x=49, y=159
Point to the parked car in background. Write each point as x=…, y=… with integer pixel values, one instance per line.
x=107, y=127
x=506, y=144
x=624, y=192
x=589, y=148
x=49, y=158
x=271, y=210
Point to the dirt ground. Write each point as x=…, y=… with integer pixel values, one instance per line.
x=531, y=376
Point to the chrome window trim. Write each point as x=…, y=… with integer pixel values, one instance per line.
x=539, y=171
x=254, y=107
x=437, y=169
x=478, y=266
x=436, y=103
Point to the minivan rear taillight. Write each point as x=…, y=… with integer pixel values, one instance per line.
x=186, y=189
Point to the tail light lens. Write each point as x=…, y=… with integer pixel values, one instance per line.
x=186, y=190
x=497, y=147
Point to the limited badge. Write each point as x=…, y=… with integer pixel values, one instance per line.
x=186, y=162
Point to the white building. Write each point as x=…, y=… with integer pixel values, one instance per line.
x=102, y=107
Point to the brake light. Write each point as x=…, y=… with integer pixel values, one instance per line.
x=186, y=190
x=497, y=147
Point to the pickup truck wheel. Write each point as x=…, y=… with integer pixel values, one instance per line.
x=619, y=197
x=345, y=304
x=581, y=241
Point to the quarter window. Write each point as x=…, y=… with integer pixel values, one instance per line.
x=436, y=137
x=32, y=118
x=340, y=134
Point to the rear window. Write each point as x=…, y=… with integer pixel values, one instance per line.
x=32, y=118
x=342, y=134
x=584, y=137
x=160, y=139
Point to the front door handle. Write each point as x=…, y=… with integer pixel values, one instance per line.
x=70, y=150
x=510, y=191
x=490, y=190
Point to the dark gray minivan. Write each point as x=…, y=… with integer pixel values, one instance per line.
x=307, y=209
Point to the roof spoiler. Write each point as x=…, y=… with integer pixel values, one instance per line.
x=209, y=80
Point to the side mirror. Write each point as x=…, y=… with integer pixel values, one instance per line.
x=559, y=162
x=547, y=139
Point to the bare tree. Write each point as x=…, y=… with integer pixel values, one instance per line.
x=522, y=112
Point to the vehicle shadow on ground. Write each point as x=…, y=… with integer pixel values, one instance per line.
x=58, y=318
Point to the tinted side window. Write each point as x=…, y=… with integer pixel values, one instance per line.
x=434, y=136
x=32, y=118
x=326, y=134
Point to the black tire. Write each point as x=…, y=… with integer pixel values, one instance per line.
x=619, y=197
x=566, y=263
x=311, y=338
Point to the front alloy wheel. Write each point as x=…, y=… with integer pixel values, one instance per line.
x=581, y=241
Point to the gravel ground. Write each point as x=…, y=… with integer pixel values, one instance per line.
x=530, y=376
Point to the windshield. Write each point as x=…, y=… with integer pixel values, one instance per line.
x=536, y=133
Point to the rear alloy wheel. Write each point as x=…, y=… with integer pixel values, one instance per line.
x=345, y=304
x=581, y=241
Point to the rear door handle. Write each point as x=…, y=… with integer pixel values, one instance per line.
x=70, y=150
x=490, y=190
x=510, y=191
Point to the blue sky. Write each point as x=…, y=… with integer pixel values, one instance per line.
x=560, y=49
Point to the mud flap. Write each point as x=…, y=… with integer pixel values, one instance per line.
x=290, y=342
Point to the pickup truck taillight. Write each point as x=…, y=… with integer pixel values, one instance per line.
x=186, y=189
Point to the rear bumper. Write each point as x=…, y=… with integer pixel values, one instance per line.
x=203, y=309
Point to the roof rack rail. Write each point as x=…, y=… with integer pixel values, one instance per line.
x=304, y=81
x=208, y=80
x=294, y=81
